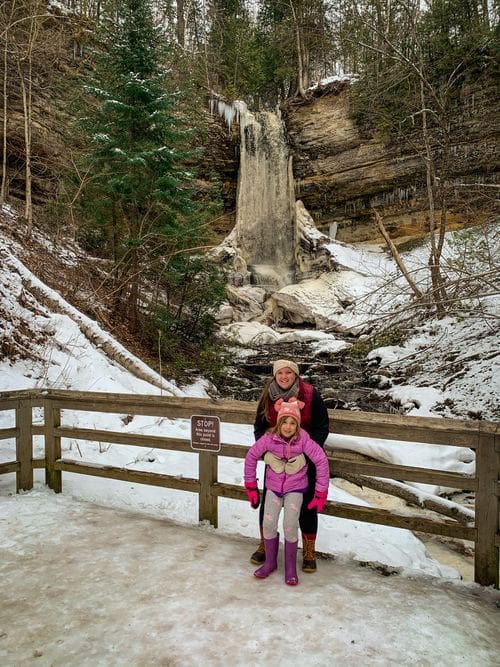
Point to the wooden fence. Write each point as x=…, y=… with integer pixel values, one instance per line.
x=483, y=437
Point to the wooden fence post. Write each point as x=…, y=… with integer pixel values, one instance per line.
x=207, y=508
x=24, y=446
x=486, y=561
x=53, y=477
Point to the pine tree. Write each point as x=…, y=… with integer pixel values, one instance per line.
x=139, y=189
x=138, y=192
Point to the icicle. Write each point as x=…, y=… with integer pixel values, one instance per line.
x=228, y=112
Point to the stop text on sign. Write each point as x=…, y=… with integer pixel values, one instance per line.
x=205, y=433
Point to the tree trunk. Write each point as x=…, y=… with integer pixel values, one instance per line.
x=414, y=497
x=181, y=25
x=3, y=188
x=298, y=46
x=26, y=85
x=134, y=291
x=28, y=207
x=435, y=256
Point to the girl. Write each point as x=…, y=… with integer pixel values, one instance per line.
x=283, y=450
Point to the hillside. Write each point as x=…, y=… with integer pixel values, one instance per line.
x=448, y=367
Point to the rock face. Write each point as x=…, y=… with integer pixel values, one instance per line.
x=48, y=148
x=340, y=176
x=217, y=166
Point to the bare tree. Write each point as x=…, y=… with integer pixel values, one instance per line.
x=302, y=82
x=25, y=72
x=7, y=20
x=429, y=133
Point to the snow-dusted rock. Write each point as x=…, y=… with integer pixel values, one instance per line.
x=323, y=302
x=311, y=254
x=247, y=302
x=248, y=333
x=225, y=314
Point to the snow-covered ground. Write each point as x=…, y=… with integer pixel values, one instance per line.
x=73, y=362
x=88, y=586
x=453, y=363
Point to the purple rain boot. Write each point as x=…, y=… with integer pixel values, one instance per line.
x=271, y=562
x=291, y=563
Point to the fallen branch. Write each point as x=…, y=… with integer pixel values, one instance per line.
x=90, y=329
x=395, y=254
x=414, y=497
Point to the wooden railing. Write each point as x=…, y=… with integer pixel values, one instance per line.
x=483, y=437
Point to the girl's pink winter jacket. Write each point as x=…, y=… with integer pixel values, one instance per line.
x=284, y=482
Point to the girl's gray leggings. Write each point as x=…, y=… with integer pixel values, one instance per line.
x=291, y=502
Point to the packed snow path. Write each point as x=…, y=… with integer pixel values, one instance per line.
x=84, y=585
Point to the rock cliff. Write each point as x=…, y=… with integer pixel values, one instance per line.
x=340, y=175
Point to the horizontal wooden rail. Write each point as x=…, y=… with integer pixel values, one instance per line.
x=127, y=475
x=236, y=412
x=373, y=515
x=6, y=433
x=336, y=509
x=400, y=520
x=115, y=437
x=137, y=440
x=454, y=480
x=10, y=466
x=8, y=403
x=432, y=430
x=338, y=466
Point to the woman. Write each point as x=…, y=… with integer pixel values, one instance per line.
x=285, y=383
x=284, y=450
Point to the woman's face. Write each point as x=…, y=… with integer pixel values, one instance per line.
x=285, y=377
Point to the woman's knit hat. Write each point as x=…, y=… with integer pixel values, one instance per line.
x=289, y=408
x=285, y=363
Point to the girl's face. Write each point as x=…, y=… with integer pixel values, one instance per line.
x=285, y=377
x=288, y=427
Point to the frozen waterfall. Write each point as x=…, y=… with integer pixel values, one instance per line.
x=265, y=227
x=265, y=232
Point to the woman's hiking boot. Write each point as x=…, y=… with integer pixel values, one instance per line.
x=259, y=556
x=291, y=577
x=308, y=553
x=271, y=563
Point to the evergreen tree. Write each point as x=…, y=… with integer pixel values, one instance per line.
x=138, y=193
x=229, y=48
x=296, y=47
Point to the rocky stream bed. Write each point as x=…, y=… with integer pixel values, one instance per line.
x=345, y=382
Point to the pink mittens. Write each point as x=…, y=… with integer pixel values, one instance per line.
x=253, y=494
x=319, y=501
